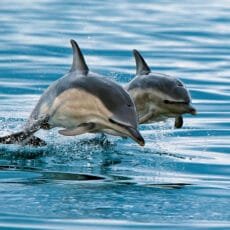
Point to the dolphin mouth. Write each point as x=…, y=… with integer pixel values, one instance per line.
x=133, y=132
x=136, y=136
x=192, y=110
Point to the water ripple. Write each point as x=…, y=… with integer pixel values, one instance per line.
x=74, y=181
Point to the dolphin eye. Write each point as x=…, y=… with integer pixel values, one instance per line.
x=167, y=102
x=129, y=105
x=176, y=102
x=179, y=84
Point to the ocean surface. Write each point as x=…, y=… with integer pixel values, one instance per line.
x=180, y=179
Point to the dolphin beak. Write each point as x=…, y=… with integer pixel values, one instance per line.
x=136, y=136
x=192, y=110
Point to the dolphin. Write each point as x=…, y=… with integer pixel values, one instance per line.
x=80, y=102
x=158, y=96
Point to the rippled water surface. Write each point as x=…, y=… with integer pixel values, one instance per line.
x=180, y=179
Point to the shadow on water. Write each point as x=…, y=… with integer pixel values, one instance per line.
x=92, y=158
x=17, y=175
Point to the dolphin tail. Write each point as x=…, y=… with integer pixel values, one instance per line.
x=26, y=137
x=23, y=138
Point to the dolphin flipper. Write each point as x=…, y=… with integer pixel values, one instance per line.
x=178, y=122
x=81, y=129
x=146, y=117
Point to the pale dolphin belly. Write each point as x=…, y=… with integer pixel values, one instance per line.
x=74, y=107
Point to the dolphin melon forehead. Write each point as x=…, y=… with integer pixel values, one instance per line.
x=152, y=80
x=161, y=83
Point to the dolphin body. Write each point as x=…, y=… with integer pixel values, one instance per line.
x=158, y=96
x=81, y=102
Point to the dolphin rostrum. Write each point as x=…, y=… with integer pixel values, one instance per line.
x=158, y=96
x=81, y=102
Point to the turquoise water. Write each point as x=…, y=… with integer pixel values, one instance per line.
x=180, y=179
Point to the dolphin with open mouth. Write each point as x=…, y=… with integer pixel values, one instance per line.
x=158, y=96
x=81, y=102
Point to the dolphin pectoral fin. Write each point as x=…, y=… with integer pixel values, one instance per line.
x=146, y=117
x=178, y=122
x=81, y=129
x=72, y=132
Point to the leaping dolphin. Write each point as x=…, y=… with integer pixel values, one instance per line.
x=81, y=102
x=158, y=96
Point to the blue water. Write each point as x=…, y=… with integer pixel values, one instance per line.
x=180, y=179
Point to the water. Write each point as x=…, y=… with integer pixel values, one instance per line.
x=180, y=179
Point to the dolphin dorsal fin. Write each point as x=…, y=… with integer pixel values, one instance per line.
x=79, y=63
x=141, y=66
